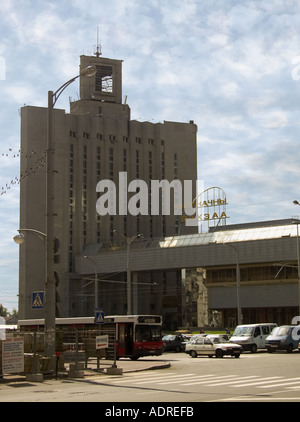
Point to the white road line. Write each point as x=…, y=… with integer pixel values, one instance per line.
x=214, y=380
x=209, y=380
x=173, y=380
x=268, y=399
x=146, y=378
x=287, y=381
x=267, y=380
x=240, y=381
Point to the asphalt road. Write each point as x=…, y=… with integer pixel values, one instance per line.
x=259, y=377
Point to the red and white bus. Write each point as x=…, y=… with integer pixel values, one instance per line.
x=135, y=335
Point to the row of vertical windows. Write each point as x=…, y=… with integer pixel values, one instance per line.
x=175, y=166
x=98, y=174
x=149, y=193
x=137, y=163
x=124, y=159
x=111, y=174
x=138, y=140
x=71, y=206
x=111, y=163
x=163, y=169
x=84, y=194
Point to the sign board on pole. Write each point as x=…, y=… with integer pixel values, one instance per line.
x=37, y=300
x=99, y=317
x=13, y=355
x=101, y=342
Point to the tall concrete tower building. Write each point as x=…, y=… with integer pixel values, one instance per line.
x=96, y=140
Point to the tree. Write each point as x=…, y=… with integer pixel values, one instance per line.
x=3, y=311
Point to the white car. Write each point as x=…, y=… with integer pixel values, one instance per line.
x=212, y=345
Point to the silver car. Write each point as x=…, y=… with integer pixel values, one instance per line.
x=212, y=345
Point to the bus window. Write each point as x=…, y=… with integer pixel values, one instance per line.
x=156, y=333
x=142, y=333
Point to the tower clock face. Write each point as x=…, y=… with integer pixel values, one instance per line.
x=104, y=79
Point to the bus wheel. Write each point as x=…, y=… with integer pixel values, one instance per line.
x=134, y=357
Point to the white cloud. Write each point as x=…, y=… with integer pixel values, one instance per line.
x=230, y=66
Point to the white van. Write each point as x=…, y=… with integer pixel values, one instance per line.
x=252, y=336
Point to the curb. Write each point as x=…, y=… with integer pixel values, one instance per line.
x=163, y=366
x=91, y=372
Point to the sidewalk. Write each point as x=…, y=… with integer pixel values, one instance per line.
x=126, y=366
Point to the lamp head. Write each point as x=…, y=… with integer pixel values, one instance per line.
x=19, y=239
x=88, y=71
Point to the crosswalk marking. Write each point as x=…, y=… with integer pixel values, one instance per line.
x=178, y=381
x=241, y=380
x=209, y=380
x=169, y=380
x=287, y=381
x=267, y=380
x=206, y=381
x=142, y=376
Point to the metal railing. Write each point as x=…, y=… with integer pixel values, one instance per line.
x=74, y=347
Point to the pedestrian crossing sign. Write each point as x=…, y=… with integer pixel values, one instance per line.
x=37, y=300
x=99, y=317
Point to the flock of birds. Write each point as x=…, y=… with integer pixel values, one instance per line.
x=35, y=162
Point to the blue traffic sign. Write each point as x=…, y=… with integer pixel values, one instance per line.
x=37, y=300
x=99, y=317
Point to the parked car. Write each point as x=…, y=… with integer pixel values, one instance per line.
x=183, y=332
x=173, y=342
x=285, y=337
x=212, y=345
x=252, y=336
x=224, y=337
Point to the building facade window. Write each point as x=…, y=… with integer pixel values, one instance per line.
x=104, y=79
x=163, y=169
x=84, y=195
x=71, y=205
x=98, y=177
x=175, y=166
x=111, y=163
x=137, y=164
x=124, y=160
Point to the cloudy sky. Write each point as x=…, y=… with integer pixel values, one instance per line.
x=232, y=66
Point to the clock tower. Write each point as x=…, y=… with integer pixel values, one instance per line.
x=101, y=94
x=106, y=85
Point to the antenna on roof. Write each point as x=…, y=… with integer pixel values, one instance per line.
x=98, y=51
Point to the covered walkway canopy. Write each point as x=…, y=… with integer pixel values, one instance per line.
x=263, y=242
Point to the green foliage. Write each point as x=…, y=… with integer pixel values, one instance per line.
x=5, y=313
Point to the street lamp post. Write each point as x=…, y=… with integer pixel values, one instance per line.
x=50, y=280
x=48, y=237
x=128, y=241
x=96, y=280
x=238, y=283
